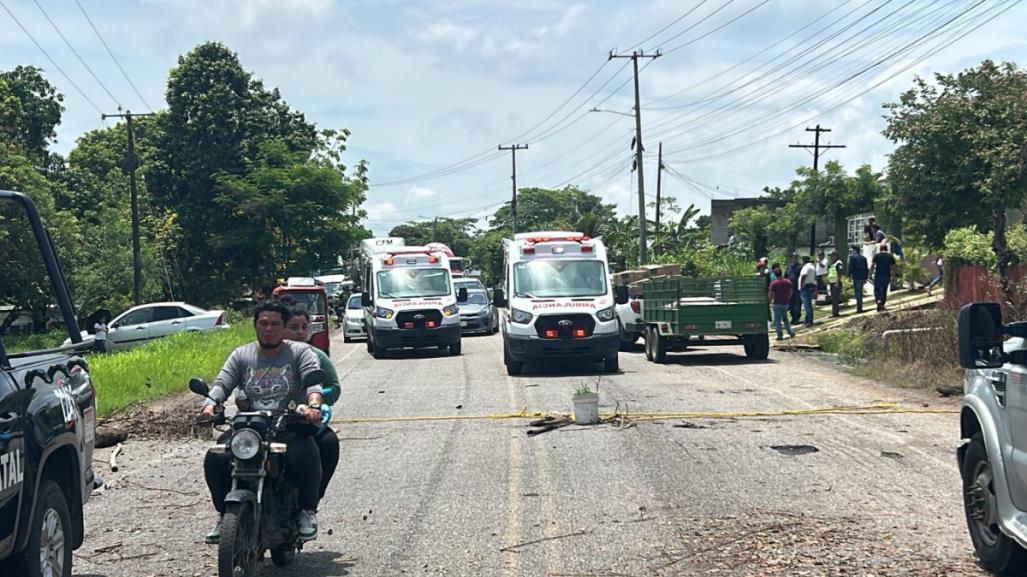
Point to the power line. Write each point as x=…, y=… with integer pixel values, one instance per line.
x=77, y=55
x=111, y=53
x=48, y=57
x=701, y=20
x=668, y=26
x=718, y=28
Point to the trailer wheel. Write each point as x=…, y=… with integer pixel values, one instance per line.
x=757, y=347
x=660, y=346
x=649, y=340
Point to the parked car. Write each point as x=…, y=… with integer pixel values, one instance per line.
x=353, y=319
x=478, y=314
x=471, y=284
x=152, y=321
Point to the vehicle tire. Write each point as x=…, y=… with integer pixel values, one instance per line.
x=996, y=551
x=370, y=344
x=378, y=352
x=757, y=347
x=283, y=556
x=49, y=544
x=627, y=340
x=659, y=347
x=455, y=348
x=513, y=368
x=648, y=345
x=236, y=554
x=612, y=364
x=346, y=339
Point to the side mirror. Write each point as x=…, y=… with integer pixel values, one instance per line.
x=199, y=386
x=461, y=295
x=980, y=336
x=365, y=299
x=313, y=378
x=620, y=294
x=499, y=298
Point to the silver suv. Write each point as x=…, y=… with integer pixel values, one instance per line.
x=992, y=453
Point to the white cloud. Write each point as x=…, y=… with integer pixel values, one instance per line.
x=420, y=193
x=378, y=211
x=449, y=33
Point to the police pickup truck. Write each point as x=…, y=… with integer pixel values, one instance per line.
x=47, y=403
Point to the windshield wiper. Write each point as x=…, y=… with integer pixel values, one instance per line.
x=386, y=295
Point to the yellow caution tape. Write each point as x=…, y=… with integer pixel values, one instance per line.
x=875, y=409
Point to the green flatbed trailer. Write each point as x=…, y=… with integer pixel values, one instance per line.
x=680, y=311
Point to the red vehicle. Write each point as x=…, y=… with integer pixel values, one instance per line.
x=315, y=298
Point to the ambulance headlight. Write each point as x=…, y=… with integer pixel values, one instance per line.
x=245, y=444
x=520, y=317
x=451, y=310
x=606, y=314
x=383, y=313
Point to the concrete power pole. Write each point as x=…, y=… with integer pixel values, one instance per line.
x=817, y=147
x=513, y=148
x=131, y=163
x=643, y=255
x=659, y=209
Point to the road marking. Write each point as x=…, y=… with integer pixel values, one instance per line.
x=547, y=495
x=514, y=484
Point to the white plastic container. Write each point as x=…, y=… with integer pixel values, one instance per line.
x=586, y=408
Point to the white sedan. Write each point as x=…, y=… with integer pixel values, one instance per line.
x=151, y=321
x=353, y=320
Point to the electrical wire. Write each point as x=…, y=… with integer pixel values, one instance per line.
x=77, y=55
x=717, y=29
x=111, y=53
x=48, y=57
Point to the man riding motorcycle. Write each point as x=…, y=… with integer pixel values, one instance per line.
x=267, y=376
x=327, y=441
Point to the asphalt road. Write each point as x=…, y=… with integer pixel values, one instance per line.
x=801, y=494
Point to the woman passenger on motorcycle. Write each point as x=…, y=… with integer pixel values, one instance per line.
x=297, y=329
x=268, y=375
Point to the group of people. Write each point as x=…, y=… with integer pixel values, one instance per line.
x=793, y=290
x=267, y=375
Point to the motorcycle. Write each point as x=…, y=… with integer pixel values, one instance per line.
x=261, y=509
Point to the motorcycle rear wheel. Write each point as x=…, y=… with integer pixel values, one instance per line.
x=237, y=555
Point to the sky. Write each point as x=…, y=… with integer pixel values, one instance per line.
x=429, y=89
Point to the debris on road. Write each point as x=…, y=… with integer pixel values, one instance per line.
x=544, y=539
x=114, y=458
x=795, y=450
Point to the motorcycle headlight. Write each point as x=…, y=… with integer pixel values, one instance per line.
x=606, y=314
x=245, y=444
x=383, y=313
x=451, y=310
x=520, y=317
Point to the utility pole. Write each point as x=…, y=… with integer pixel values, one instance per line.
x=130, y=164
x=513, y=148
x=659, y=181
x=435, y=229
x=639, y=149
x=817, y=147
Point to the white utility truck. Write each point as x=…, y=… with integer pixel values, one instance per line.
x=408, y=297
x=556, y=301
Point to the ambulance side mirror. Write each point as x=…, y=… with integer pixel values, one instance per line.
x=620, y=294
x=499, y=298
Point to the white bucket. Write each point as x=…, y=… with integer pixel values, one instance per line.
x=586, y=408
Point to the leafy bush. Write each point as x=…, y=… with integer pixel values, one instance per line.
x=969, y=246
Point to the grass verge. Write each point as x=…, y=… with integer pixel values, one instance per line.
x=163, y=366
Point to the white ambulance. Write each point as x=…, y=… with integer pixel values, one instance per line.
x=557, y=302
x=408, y=298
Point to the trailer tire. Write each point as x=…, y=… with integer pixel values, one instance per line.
x=757, y=347
x=660, y=346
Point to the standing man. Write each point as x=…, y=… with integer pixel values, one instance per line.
x=100, y=334
x=794, y=301
x=808, y=280
x=779, y=294
x=821, y=266
x=941, y=274
x=834, y=282
x=859, y=271
x=869, y=230
x=882, y=271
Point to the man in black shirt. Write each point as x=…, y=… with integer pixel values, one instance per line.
x=882, y=271
x=794, y=301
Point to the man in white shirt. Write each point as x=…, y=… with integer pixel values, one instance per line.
x=808, y=284
x=100, y=335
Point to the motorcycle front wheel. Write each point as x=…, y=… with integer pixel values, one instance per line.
x=237, y=549
x=283, y=556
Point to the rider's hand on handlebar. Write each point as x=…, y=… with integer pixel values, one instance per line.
x=208, y=410
x=312, y=416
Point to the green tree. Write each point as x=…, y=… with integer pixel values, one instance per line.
x=456, y=233
x=962, y=153
x=753, y=225
x=569, y=208
x=41, y=109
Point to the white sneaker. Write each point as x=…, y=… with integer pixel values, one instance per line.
x=308, y=525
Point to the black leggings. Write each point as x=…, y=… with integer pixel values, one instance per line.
x=301, y=464
x=328, y=444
